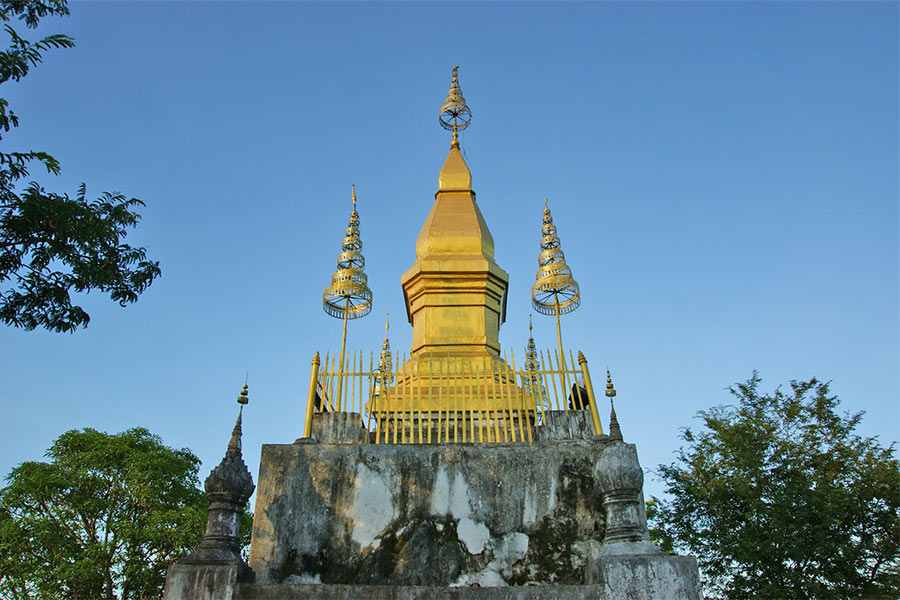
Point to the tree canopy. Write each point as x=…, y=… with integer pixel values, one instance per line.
x=778, y=497
x=103, y=518
x=50, y=244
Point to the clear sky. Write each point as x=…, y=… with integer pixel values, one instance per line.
x=724, y=178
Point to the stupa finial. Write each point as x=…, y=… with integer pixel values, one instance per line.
x=455, y=114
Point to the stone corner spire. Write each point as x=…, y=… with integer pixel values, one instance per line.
x=231, y=481
x=615, y=432
x=217, y=559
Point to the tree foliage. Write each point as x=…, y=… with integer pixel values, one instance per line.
x=103, y=518
x=779, y=498
x=50, y=244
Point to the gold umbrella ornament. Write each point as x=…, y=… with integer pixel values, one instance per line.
x=348, y=296
x=555, y=291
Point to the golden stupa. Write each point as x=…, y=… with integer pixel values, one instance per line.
x=454, y=386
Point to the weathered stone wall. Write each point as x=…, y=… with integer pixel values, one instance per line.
x=492, y=515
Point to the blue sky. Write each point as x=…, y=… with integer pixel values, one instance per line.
x=724, y=177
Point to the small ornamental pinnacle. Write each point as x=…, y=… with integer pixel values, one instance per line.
x=384, y=377
x=384, y=360
x=532, y=382
x=455, y=114
x=615, y=433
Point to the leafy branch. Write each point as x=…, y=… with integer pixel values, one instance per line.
x=51, y=245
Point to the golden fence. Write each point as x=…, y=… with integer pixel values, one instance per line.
x=445, y=399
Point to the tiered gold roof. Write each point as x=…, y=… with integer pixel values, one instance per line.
x=455, y=292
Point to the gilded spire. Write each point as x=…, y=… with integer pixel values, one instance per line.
x=615, y=432
x=455, y=114
x=384, y=360
x=532, y=381
x=349, y=295
x=531, y=359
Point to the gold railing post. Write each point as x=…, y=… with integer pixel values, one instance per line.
x=598, y=428
x=311, y=397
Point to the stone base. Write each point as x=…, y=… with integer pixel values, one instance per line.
x=337, y=518
x=337, y=428
x=645, y=577
x=567, y=425
x=427, y=515
x=393, y=592
x=188, y=580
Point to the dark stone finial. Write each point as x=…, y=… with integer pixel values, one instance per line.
x=228, y=488
x=231, y=480
x=216, y=561
x=615, y=432
x=234, y=445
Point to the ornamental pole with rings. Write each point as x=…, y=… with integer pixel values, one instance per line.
x=555, y=291
x=348, y=296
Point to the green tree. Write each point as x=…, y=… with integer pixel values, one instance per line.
x=50, y=244
x=103, y=518
x=779, y=498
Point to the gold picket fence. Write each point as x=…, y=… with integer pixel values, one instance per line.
x=448, y=399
